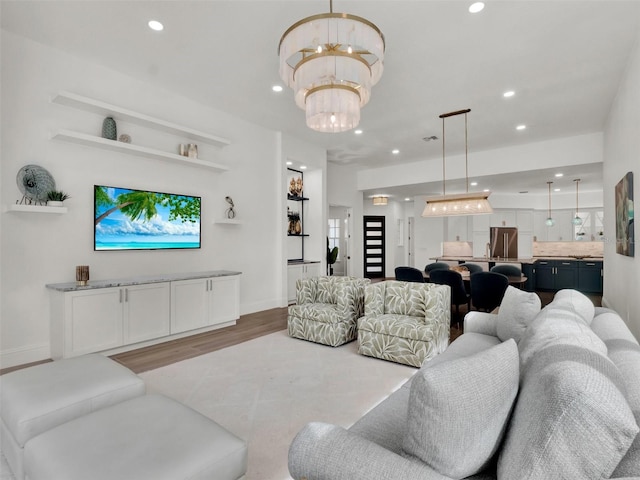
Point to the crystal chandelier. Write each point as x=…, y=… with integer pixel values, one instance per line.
x=462, y=203
x=331, y=61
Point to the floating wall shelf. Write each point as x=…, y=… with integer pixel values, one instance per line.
x=36, y=209
x=228, y=221
x=131, y=149
x=102, y=108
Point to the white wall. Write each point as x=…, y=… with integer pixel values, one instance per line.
x=37, y=249
x=622, y=155
x=341, y=190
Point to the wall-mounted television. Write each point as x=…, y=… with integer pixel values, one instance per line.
x=127, y=219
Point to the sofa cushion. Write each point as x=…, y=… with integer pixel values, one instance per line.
x=624, y=352
x=517, y=311
x=327, y=293
x=458, y=410
x=576, y=302
x=554, y=326
x=571, y=419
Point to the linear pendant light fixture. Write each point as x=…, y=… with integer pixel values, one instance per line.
x=577, y=220
x=380, y=200
x=331, y=61
x=549, y=222
x=462, y=203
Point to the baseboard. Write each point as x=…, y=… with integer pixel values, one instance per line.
x=247, y=308
x=23, y=355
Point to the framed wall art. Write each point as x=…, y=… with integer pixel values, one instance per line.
x=625, y=235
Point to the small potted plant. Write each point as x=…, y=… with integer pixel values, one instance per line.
x=56, y=197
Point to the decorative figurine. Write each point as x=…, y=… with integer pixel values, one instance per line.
x=231, y=213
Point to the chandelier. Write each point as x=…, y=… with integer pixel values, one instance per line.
x=577, y=220
x=380, y=200
x=462, y=203
x=331, y=61
x=549, y=222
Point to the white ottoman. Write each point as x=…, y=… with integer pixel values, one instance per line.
x=36, y=399
x=150, y=437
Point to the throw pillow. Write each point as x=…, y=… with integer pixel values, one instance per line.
x=458, y=410
x=517, y=311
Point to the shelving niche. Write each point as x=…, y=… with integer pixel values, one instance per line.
x=102, y=108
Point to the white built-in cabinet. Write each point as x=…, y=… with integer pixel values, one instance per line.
x=561, y=231
x=126, y=316
x=297, y=271
x=202, y=302
x=522, y=219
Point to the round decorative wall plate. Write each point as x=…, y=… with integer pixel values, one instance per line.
x=35, y=182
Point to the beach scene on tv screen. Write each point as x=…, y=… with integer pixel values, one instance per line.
x=140, y=220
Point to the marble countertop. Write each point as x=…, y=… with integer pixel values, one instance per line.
x=140, y=280
x=514, y=260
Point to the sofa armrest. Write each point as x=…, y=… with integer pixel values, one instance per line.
x=306, y=290
x=374, y=298
x=350, y=298
x=322, y=451
x=481, y=322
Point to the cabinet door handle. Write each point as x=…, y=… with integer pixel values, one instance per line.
x=126, y=295
x=566, y=263
x=120, y=299
x=591, y=264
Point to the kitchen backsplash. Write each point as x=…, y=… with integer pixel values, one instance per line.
x=457, y=249
x=568, y=249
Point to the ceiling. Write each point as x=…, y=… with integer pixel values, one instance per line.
x=563, y=58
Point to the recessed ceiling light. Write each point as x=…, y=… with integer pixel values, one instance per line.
x=277, y=88
x=303, y=167
x=556, y=189
x=559, y=174
x=407, y=199
x=521, y=127
x=476, y=7
x=395, y=151
x=474, y=184
x=358, y=132
x=486, y=190
x=508, y=94
x=155, y=25
x=289, y=163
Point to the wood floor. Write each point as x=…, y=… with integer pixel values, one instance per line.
x=247, y=327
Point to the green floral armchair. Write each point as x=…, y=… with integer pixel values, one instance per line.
x=327, y=309
x=405, y=322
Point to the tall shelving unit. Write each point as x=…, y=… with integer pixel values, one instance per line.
x=297, y=201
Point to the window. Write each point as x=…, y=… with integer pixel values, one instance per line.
x=334, y=233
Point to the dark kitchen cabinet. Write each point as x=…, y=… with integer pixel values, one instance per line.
x=552, y=275
x=590, y=276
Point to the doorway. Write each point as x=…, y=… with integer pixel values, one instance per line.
x=374, y=246
x=339, y=234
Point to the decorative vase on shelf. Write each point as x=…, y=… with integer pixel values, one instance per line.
x=109, y=130
x=54, y=203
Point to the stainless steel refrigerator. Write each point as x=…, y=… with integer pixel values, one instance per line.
x=504, y=242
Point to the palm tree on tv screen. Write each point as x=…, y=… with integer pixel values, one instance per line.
x=136, y=204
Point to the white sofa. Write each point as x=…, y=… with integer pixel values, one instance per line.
x=522, y=394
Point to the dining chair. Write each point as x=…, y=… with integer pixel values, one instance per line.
x=472, y=267
x=436, y=266
x=459, y=295
x=409, y=274
x=508, y=270
x=487, y=290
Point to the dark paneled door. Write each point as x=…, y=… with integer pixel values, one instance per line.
x=374, y=246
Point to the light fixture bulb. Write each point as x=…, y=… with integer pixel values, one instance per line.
x=476, y=7
x=333, y=118
x=349, y=49
x=319, y=49
x=549, y=222
x=576, y=220
x=155, y=25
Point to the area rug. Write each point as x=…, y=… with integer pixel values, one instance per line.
x=265, y=390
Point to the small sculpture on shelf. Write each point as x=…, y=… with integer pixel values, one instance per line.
x=295, y=227
x=295, y=187
x=230, y=212
x=109, y=129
